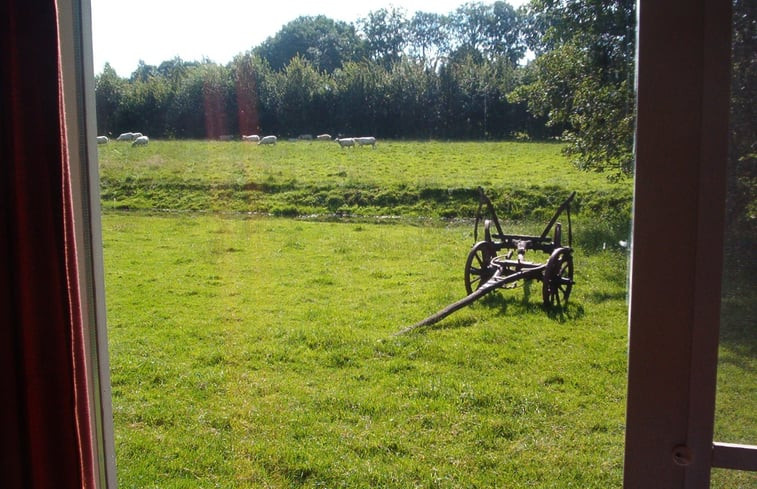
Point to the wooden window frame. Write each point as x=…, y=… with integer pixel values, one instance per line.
x=683, y=80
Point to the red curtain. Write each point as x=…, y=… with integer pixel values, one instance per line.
x=45, y=436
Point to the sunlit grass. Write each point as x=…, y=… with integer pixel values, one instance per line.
x=398, y=177
x=259, y=352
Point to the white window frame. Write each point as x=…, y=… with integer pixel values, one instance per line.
x=75, y=30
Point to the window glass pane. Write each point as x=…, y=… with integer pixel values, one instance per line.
x=254, y=291
x=736, y=406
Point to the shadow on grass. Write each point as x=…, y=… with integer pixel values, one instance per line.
x=600, y=297
x=451, y=323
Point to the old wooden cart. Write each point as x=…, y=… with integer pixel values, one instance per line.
x=486, y=269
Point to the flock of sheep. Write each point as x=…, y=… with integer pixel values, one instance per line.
x=343, y=142
x=138, y=139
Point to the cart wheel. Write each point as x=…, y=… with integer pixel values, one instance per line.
x=478, y=267
x=558, y=277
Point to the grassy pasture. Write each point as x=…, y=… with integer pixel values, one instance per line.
x=253, y=351
x=258, y=352
x=406, y=178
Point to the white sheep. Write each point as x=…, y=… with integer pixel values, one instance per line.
x=126, y=136
x=346, y=142
x=102, y=139
x=253, y=138
x=366, y=140
x=141, y=141
x=268, y=140
x=323, y=137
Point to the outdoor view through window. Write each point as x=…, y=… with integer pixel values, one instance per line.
x=306, y=187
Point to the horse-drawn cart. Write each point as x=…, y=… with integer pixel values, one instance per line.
x=487, y=270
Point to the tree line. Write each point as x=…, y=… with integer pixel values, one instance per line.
x=463, y=75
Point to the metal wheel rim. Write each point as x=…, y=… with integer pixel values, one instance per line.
x=558, y=278
x=477, y=265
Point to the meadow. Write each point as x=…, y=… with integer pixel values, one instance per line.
x=251, y=330
x=406, y=178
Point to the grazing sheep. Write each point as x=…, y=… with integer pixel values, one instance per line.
x=102, y=139
x=268, y=140
x=126, y=136
x=363, y=141
x=141, y=141
x=323, y=137
x=346, y=142
x=253, y=138
x=136, y=135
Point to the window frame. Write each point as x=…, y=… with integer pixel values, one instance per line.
x=681, y=146
x=77, y=67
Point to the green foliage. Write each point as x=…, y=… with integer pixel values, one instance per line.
x=324, y=43
x=318, y=75
x=582, y=78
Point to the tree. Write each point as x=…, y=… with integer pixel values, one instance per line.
x=203, y=103
x=470, y=23
x=412, y=104
x=144, y=72
x=503, y=33
x=300, y=85
x=247, y=71
x=386, y=32
x=582, y=78
x=428, y=36
x=361, y=98
x=742, y=161
x=109, y=94
x=326, y=44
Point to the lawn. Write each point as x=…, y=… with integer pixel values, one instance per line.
x=259, y=352
x=409, y=178
x=252, y=350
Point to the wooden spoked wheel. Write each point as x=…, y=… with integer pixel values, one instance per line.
x=558, y=278
x=478, y=266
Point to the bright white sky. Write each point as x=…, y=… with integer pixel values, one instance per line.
x=159, y=30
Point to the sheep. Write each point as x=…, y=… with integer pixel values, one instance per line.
x=253, y=138
x=362, y=141
x=346, y=142
x=268, y=140
x=126, y=136
x=102, y=139
x=136, y=135
x=141, y=141
x=323, y=137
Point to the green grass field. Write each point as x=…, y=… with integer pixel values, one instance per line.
x=259, y=352
x=425, y=179
x=250, y=350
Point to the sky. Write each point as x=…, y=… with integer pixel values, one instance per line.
x=123, y=33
